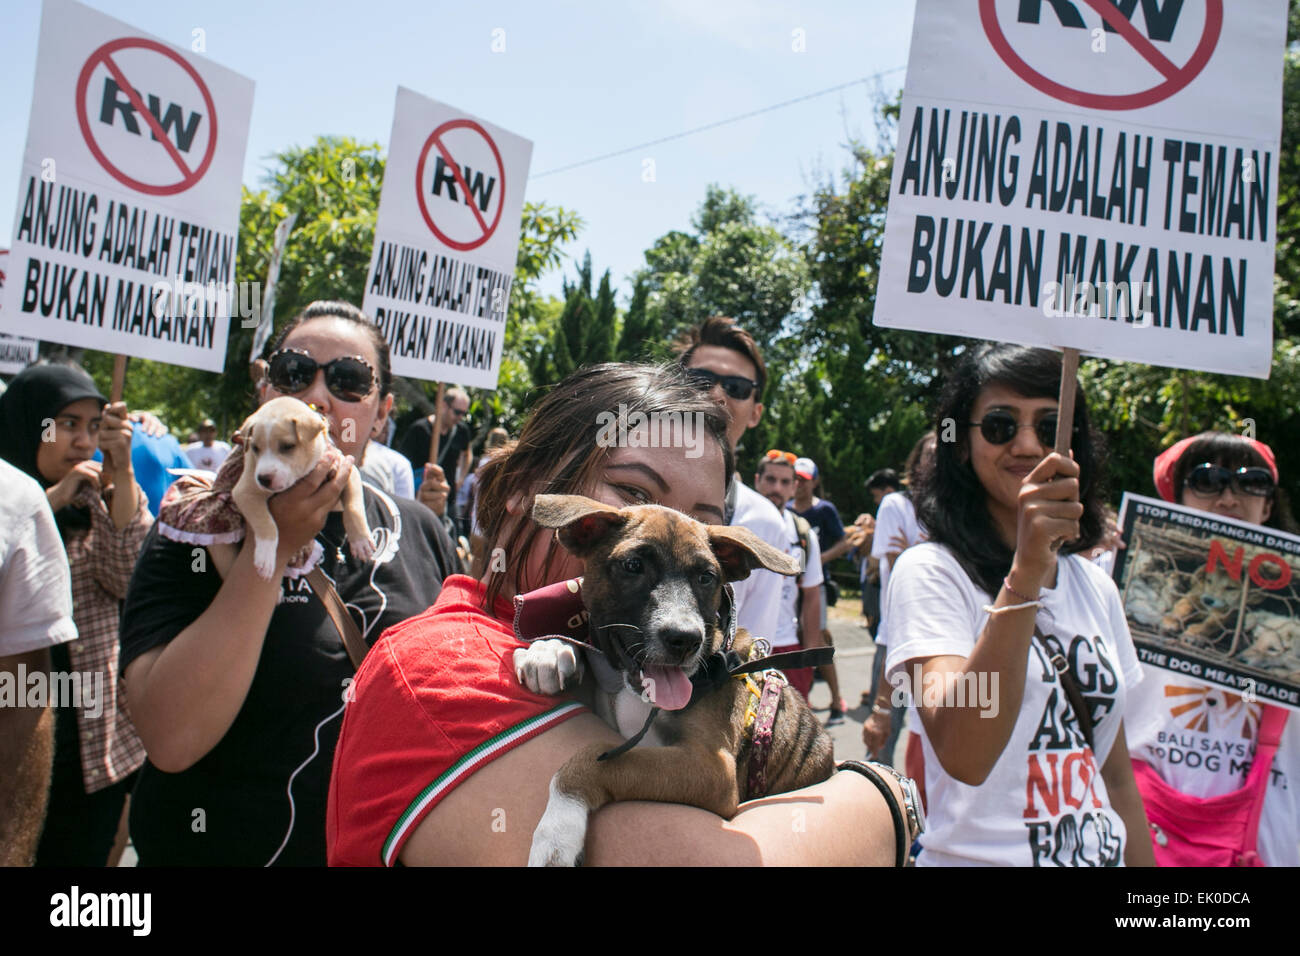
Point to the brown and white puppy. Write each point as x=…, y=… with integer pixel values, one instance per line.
x=282, y=442
x=655, y=576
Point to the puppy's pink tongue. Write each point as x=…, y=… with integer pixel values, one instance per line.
x=671, y=689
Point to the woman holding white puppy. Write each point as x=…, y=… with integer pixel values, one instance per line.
x=237, y=683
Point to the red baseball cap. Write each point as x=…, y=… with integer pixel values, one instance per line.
x=1163, y=472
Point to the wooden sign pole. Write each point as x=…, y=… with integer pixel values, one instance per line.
x=119, y=378
x=1065, y=411
x=437, y=427
x=1065, y=415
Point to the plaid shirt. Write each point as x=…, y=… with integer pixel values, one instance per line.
x=102, y=558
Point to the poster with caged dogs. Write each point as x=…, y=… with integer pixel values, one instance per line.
x=1212, y=598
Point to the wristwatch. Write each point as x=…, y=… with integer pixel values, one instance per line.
x=911, y=799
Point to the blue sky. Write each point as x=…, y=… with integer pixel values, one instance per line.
x=578, y=79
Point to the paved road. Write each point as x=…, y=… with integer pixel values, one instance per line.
x=854, y=654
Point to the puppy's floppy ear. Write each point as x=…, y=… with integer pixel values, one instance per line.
x=740, y=551
x=583, y=523
x=307, y=426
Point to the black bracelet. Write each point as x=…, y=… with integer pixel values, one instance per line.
x=895, y=811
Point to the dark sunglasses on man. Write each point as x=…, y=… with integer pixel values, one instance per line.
x=459, y=413
x=1206, y=480
x=999, y=426
x=349, y=378
x=736, y=386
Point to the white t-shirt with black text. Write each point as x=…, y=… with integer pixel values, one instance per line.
x=1044, y=803
x=1201, y=741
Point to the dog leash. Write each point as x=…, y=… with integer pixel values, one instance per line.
x=347, y=628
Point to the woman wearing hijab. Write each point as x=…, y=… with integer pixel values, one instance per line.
x=52, y=418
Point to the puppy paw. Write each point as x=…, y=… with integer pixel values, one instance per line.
x=264, y=558
x=363, y=549
x=562, y=833
x=547, y=667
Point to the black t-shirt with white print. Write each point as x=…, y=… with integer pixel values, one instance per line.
x=259, y=795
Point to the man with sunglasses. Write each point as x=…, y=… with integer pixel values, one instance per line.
x=453, y=447
x=724, y=359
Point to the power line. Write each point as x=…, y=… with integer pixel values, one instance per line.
x=721, y=122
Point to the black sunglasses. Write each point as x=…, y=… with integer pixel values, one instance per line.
x=348, y=378
x=1207, y=479
x=736, y=386
x=999, y=426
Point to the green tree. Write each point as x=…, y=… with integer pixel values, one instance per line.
x=586, y=330
x=731, y=264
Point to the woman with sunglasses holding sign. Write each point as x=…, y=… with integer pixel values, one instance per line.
x=237, y=684
x=1024, y=765
x=1219, y=773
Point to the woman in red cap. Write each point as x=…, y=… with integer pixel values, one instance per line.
x=1219, y=773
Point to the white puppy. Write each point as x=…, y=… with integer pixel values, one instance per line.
x=283, y=440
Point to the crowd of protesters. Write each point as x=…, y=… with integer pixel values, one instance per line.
x=224, y=719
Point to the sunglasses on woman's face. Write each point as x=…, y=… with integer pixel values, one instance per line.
x=736, y=386
x=999, y=426
x=348, y=378
x=1207, y=480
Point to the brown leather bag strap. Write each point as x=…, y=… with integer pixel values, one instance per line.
x=1071, y=687
x=347, y=628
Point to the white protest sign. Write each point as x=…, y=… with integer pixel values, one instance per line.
x=446, y=241
x=1091, y=174
x=128, y=203
x=16, y=353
